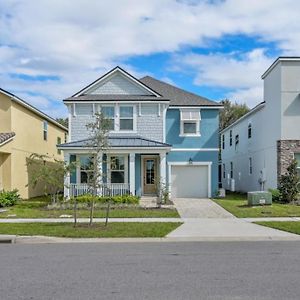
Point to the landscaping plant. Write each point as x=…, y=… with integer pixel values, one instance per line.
x=9, y=198
x=288, y=184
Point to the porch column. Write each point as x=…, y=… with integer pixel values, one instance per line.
x=67, y=177
x=163, y=171
x=132, y=173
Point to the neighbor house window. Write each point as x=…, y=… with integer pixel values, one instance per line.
x=45, y=130
x=249, y=131
x=230, y=138
x=58, y=143
x=297, y=157
x=190, y=122
x=250, y=165
x=224, y=171
x=237, y=140
x=117, y=169
x=126, y=117
x=66, y=137
x=231, y=169
x=223, y=141
x=109, y=113
x=86, y=169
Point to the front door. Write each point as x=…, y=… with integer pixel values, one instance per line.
x=150, y=175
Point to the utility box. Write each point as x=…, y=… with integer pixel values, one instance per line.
x=259, y=198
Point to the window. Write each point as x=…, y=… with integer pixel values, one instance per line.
x=249, y=131
x=109, y=113
x=66, y=137
x=224, y=171
x=190, y=122
x=86, y=169
x=223, y=141
x=231, y=169
x=58, y=143
x=45, y=130
x=250, y=165
x=117, y=169
x=297, y=157
x=230, y=138
x=237, y=140
x=126, y=117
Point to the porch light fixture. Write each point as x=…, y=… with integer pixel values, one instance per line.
x=190, y=161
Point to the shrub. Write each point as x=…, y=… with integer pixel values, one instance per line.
x=9, y=198
x=288, y=183
x=276, y=196
x=125, y=199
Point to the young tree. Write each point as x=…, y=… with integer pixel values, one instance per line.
x=288, y=183
x=63, y=121
x=98, y=143
x=231, y=112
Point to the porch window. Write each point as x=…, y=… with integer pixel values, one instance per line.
x=190, y=122
x=86, y=169
x=126, y=117
x=109, y=113
x=117, y=169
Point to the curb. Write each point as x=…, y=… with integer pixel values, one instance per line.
x=8, y=239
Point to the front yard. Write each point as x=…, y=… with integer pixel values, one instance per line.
x=236, y=204
x=290, y=226
x=37, y=208
x=98, y=230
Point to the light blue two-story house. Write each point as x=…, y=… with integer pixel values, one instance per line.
x=159, y=133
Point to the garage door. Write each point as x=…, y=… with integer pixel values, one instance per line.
x=189, y=181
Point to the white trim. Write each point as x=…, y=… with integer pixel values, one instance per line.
x=198, y=107
x=194, y=149
x=164, y=122
x=110, y=73
x=202, y=163
x=114, y=101
x=33, y=109
x=119, y=149
x=132, y=173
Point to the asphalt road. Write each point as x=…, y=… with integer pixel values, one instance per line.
x=203, y=270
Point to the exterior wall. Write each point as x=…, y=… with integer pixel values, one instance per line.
x=5, y=113
x=5, y=171
x=29, y=139
x=148, y=126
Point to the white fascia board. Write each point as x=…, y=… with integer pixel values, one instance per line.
x=198, y=107
x=110, y=73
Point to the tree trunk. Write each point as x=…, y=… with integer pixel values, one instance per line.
x=107, y=213
x=91, y=212
x=75, y=212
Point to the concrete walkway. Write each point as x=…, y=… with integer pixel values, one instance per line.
x=204, y=219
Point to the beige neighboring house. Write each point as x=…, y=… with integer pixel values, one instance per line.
x=25, y=130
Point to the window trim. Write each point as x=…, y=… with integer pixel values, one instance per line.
x=184, y=120
x=127, y=118
x=45, y=131
x=78, y=175
x=114, y=118
x=125, y=167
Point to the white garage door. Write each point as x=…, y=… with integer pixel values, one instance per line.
x=189, y=181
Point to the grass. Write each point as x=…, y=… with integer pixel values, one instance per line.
x=290, y=226
x=236, y=204
x=84, y=231
x=37, y=208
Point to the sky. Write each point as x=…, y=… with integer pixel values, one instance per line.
x=50, y=49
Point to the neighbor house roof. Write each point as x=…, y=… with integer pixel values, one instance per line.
x=119, y=142
x=177, y=96
x=5, y=137
x=32, y=108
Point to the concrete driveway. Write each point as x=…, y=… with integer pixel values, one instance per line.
x=206, y=220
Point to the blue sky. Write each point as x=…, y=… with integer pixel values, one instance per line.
x=218, y=49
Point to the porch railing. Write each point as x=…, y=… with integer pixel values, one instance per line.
x=106, y=189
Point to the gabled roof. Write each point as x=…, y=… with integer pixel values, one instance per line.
x=119, y=142
x=5, y=137
x=110, y=73
x=177, y=96
x=32, y=108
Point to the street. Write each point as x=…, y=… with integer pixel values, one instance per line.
x=191, y=270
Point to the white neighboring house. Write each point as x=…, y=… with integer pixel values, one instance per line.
x=258, y=147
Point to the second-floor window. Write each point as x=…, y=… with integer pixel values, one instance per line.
x=109, y=113
x=237, y=140
x=190, y=122
x=249, y=131
x=126, y=117
x=45, y=130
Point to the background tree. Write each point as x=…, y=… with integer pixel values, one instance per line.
x=63, y=121
x=231, y=112
x=288, y=183
x=98, y=143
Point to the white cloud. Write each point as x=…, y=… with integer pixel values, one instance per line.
x=78, y=40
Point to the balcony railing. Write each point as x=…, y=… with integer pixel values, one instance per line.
x=106, y=189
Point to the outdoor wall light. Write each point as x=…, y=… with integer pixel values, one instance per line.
x=190, y=161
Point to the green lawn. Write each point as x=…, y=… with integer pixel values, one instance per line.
x=98, y=230
x=290, y=226
x=236, y=204
x=37, y=208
